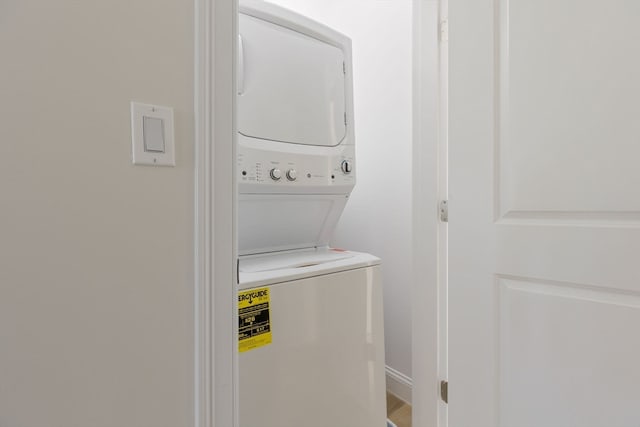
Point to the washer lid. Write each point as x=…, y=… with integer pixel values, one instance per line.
x=291, y=86
x=294, y=259
x=268, y=269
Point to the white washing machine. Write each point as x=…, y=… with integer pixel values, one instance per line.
x=311, y=340
x=321, y=363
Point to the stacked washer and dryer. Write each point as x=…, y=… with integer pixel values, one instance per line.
x=311, y=339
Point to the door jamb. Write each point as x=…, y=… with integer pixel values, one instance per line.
x=215, y=367
x=429, y=308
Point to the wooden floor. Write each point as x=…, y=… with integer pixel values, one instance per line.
x=398, y=411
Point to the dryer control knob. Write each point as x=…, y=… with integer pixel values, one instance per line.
x=275, y=174
x=292, y=174
x=346, y=166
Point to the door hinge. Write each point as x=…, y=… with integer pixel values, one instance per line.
x=444, y=391
x=444, y=211
x=444, y=30
x=344, y=68
x=345, y=118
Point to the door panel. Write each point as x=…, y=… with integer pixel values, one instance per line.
x=568, y=89
x=544, y=230
x=556, y=343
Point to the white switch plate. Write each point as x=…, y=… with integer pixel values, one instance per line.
x=149, y=154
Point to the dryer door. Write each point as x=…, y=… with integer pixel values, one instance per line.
x=291, y=86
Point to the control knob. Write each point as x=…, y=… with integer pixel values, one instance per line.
x=275, y=174
x=292, y=174
x=346, y=166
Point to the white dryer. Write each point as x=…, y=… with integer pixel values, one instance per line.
x=296, y=152
x=311, y=339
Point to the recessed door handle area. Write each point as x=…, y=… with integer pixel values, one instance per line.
x=240, y=75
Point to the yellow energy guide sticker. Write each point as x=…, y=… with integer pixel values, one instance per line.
x=254, y=330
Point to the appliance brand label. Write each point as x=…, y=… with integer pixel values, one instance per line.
x=254, y=328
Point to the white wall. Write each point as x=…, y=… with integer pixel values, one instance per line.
x=378, y=216
x=96, y=255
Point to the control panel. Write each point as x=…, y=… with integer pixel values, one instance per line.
x=267, y=168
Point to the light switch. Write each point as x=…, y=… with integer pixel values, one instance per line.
x=152, y=135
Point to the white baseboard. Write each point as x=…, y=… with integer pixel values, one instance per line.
x=399, y=384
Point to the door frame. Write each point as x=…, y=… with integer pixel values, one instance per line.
x=429, y=182
x=215, y=361
x=215, y=252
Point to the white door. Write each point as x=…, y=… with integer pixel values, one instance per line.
x=544, y=220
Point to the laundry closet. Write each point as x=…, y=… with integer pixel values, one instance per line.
x=296, y=172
